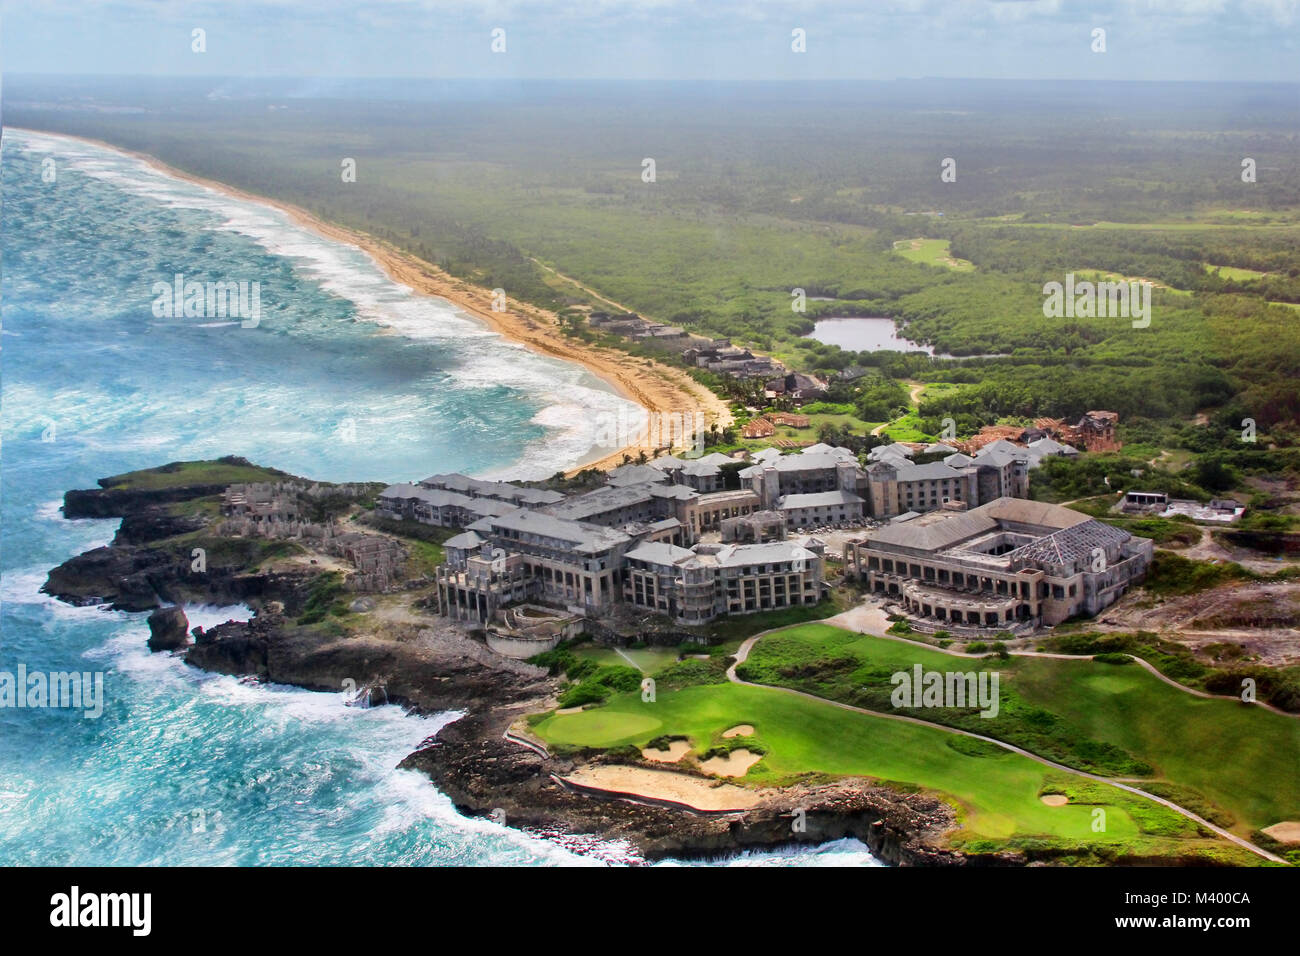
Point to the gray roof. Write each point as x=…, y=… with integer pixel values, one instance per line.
x=774, y=552
x=677, y=492
x=818, y=499
x=807, y=462
x=659, y=552
x=960, y=526
x=602, y=500
x=436, y=497
x=635, y=475
x=933, y=471
x=894, y=448
x=492, y=489
x=487, y=506
x=580, y=535
x=402, y=489
x=464, y=541
x=668, y=463
x=1050, y=446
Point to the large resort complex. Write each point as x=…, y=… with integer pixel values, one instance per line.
x=1011, y=565
x=949, y=537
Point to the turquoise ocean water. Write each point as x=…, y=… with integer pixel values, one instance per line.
x=346, y=376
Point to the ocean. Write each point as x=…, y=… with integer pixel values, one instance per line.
x=345, y=376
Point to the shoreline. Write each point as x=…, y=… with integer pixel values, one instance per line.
x=657, y=388
x=433, y=667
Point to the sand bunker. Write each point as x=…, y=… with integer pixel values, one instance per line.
x=677, y=749
x=740, y=730
x=1055, y=799
x=734, y=764
x=665, y=785
x=1288, y=831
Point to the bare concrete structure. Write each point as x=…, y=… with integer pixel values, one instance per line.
x=1008, y=565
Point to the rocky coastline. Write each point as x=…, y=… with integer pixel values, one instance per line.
x=430, y=669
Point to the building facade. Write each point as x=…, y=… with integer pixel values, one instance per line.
x=1008, y=565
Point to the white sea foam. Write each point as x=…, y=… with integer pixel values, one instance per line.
x=210, y=615
x=484, y=358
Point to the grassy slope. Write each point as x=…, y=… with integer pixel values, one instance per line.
x=1234, y=755
x=179, y=474
x=807, y=736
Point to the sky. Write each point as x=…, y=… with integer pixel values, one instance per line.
x=1240, y=40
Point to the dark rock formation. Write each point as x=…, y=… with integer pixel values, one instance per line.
x=168, y=629
x=443, y=671
x=483, y=773
x=436, y=669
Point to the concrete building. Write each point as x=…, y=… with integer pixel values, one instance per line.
x=697, y=585
x=825, y=485
x=444, y=509
x=1009, y=565
x=525, y=555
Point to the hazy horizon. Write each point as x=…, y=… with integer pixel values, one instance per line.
x=1037, y=40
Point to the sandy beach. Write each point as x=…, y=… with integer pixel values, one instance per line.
x=658, y=388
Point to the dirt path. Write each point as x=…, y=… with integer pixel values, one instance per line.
x=742, y=654
x=914, y=396
x=580, y=285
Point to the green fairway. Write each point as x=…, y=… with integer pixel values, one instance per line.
x=931, y=252
x=998, y=794
x=1241, y=759
x=807, y=736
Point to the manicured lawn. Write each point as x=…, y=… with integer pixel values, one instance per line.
x=1243, y=759
x=999, y=793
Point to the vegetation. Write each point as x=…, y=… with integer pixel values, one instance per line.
x=1117, y=721
x=179, y=474
x=995, y=793
x=325, y=597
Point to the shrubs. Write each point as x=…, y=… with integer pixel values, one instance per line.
x=600, y=683
x=1172, y=574
x=691, y=672
x=900, y=626
x=1112, y=657
x=325, y=597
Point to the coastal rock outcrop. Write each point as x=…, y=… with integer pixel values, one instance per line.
x=485, y=774
x=430, y=666
x=168, y=629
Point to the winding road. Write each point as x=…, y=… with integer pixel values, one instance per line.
x=742, y=654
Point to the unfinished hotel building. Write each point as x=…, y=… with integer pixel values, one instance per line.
x=1009, y=565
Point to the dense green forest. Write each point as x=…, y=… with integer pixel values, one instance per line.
x=762, y=189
